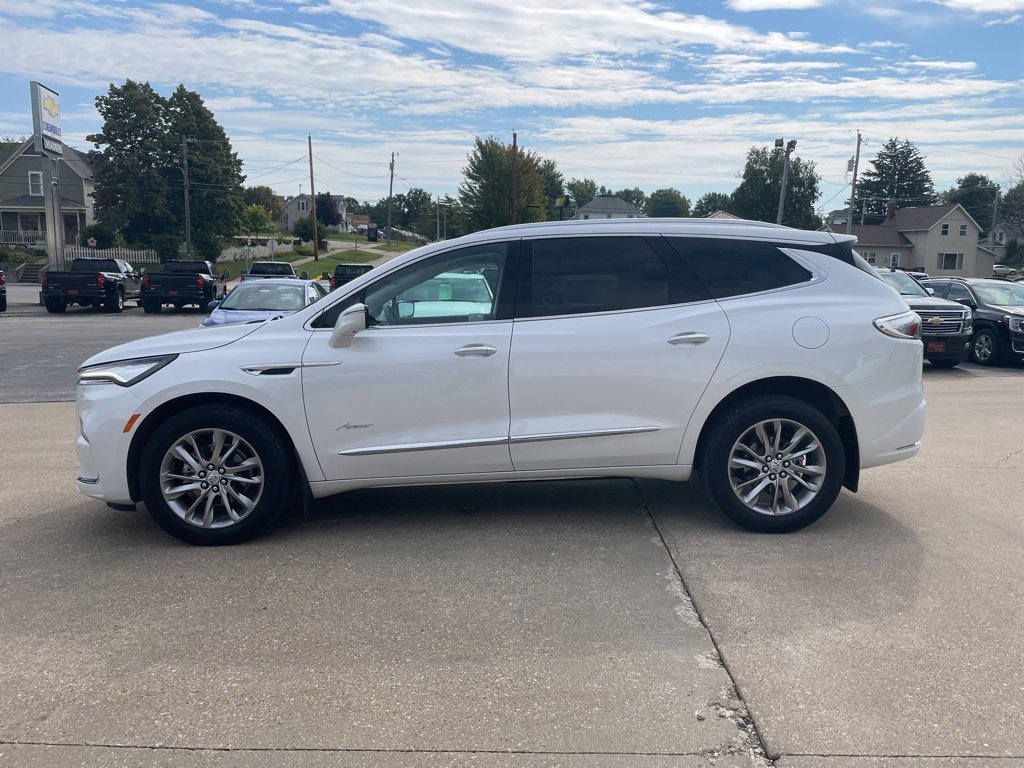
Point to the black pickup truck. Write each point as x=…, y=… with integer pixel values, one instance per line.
x=106, y=283
x=180, y=283
x=343, y=273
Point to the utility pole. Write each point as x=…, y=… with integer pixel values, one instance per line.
x=515, y=210
x=790, y=146
x=437, y=234
x=188, y=217
x=312, y=204
x=853, y=187
x=391, y=186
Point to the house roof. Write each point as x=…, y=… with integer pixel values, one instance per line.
x=721, y=215
x=72, y=158
x=608, y=204
x=881, y=235
x=923, y=217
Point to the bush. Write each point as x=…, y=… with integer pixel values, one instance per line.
x=303, y=230
x=166, y=246
x=105, y=236
x=206, y=247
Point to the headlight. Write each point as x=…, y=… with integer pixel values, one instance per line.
x=124, y=373
x=906, y=325
x=968, y=321
x=1016, y=324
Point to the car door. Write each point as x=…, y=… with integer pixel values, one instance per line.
x=423, y=390
x=132, y=280
x=614, y=342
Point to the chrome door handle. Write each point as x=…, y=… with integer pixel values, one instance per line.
x=689, y=338
x=476, y=350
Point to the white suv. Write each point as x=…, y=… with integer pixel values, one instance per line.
x=771, y=362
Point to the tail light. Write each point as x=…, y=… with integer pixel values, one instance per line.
x=2, y=279
x=200, y=282
x=334, y=282
x=145, y=282
x=906, y=325
x=100, y=281
x=46, y=280
x=241, y=278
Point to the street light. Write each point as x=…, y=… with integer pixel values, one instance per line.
x=789, y=146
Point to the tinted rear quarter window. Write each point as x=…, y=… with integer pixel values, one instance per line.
x=729, y=267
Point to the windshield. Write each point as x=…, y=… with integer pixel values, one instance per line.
x=904, y=283
x=254, y=296
x=1009, y=295
x=267, y=268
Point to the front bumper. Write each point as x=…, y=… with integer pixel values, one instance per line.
x=947, y=347
x=104, y=412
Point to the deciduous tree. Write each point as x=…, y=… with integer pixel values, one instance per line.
x=711, y=202
x=485, y=195
x=757, y=196
x=667, y=203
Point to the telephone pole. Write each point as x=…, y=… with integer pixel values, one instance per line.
x=515, y=211
x=188, y=217
x=312, y=205
x=853, y=188
x=391, y=186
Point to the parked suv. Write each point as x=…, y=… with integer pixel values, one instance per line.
x=998, y=314
x=771, y=363
x=946, y=326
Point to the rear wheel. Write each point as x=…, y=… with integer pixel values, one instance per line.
x=151, y=307
x=215, y=475
x=3, y=303
x=773, y=464
x=56, y=306
x=985, y=347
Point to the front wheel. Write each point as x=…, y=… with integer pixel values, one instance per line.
x=115, y=303
x=215, y=475
x=985, y=348
x=773, y=464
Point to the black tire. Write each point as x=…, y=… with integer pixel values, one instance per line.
x=56, y=306
x=115, y=303
x=257, y=439
x=177, y=306
x=945, y=364
x=3, y=303
x=151, y=307
x=780, y=419
x=985, y=346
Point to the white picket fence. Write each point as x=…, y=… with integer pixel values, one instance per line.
x=128, y=254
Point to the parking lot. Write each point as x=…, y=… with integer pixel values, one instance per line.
x=587, y=623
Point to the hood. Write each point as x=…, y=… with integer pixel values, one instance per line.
x=931, y=302
x=176, y=343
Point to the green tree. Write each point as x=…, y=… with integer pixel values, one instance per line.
x=553, y=184
x=104, y=235
x=634, y=196
x=255, y=220
x=415, y=211
x=303, y=230
x=667, y=203
x=327, y=212
x=131, y=170
x=757, y=196
x=977, y=193
x=580, y=192
x=265, y=196
x=485, y=195
x=710, y=202
x=897, y=173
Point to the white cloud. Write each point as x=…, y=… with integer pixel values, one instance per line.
x=744, y=6
x=983, y=6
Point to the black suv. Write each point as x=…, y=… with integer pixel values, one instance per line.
x=945, y=325
x=998, y=314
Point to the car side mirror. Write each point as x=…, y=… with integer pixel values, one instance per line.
x=304, y=275
x=212, y=305
x=325, y=275
x=350, y=322
x=966, y=303
x=225, y=275
x=406, y=309
x=931, y=291
x=142, y=271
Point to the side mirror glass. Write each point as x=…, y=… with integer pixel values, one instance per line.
x=406, y=309
x=350, y=322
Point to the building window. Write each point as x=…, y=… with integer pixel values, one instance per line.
x=303, y=206
x=29, y=222
x=1000, y=237
x=945, y=229
x=869, y=257
x=950, y=261
x=894, y=259
x=35, y=183
x=963, y=230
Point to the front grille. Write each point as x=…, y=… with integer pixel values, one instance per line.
x=952, y=322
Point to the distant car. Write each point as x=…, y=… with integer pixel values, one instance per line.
x=998, y=307
x=1001, y=270
x=259, y=300
x=3, y=293
x=344, y=273
x=265, y=269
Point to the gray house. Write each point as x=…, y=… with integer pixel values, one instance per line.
x=941, y=240
x=297, y=207
x=608, y=207
x=22, y=208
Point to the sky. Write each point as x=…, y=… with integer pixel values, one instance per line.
x=628, y=93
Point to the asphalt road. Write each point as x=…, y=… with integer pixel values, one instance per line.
x=587, y=623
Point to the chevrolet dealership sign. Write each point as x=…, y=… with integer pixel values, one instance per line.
x=46, y=120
